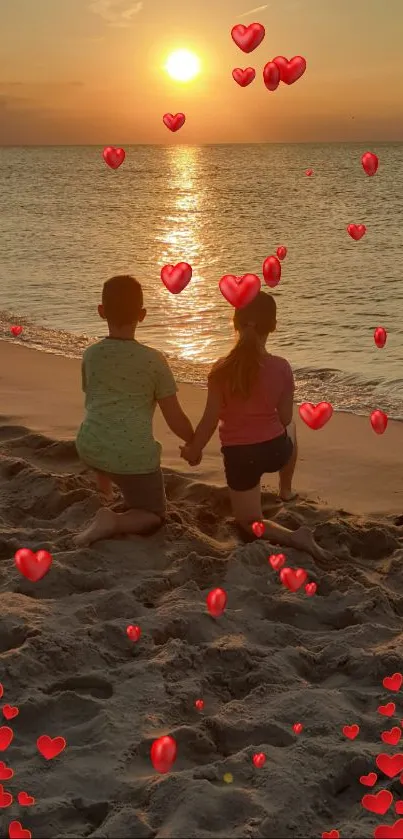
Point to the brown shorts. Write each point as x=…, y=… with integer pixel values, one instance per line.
x=143, y=492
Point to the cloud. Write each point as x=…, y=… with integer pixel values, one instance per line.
x=116, y=12
x=252, y=11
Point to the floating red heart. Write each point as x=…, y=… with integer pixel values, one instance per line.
x=163, y=754
x=369, y=780
x=17, y=831
x=113, y=157
x=380, y=336
x=390, y=765
x=271, y=76
x=370, y=163
x=292, y=70
x=351, y=731
x=5, y=772
x=393, y=682
x=272, y=271
x=174, y=121
x=5, y=798
x=281, y=252
x=258, y=528
x=399, y=808
x=6, y=736
x=247, y=38
x=16, y=331
x=1, y=690
x=259, y=759
x=239, y=291
x=379, y=421
x=243, y=77
x=50, y=747
x=378, y=803
x=133, y=632
x=293, y=578
x=315, y=416
x=387, y=710
x=332, y=834
x=277, y=561
x=216, y=602
x=199, y=704
x=356, y=231
x=310, y=589
x=176, y=277
x=394, y=831
x=25, y=800
x=10, y=711
x=297, y=727
x=392, y=737
x=309, y=173
x=32, y=565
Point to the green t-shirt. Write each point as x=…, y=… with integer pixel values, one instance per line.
x=122, y=381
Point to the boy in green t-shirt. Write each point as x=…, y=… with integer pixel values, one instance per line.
x=123, y=380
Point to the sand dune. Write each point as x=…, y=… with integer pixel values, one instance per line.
x=274, y=658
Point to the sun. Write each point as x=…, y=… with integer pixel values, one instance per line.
x=182, y=65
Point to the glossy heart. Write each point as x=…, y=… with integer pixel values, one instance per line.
x=174, y=121
x=399, y=808
x=50, y=747
x=243, y=77
x=258, y=529
x=310, y=589
x=380, y=336
x=16, y=331
x=271, y=76
x=379, y=421
x=315, y=416
x=351, y=731
x=216, y=602
x=6, y=736
x=32, y=565
x=292, y=70
x=293, y=578
x=247, y=38
x=392, y=737
x=5, y=772
x=309, y=173
x=297, y=727
x=199, y=704
x=176, y=277
x=277, y=561
x=272, y=271
x=394, y=831
x=239, y=291
x=281, y=252
x=369, y=780
x=393, y=682
x=259, y=759
x=370, y=163
x=163, y=754
x=332, y=834
x=10, y=711
x=113, y=157
x=25, y=800
x=387, y=710
x=356, y=231
x=390, y=765
x=133, y=632
x=17, y=831
x=378, y=803
x=5, y=798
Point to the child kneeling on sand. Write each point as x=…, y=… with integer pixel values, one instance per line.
x=122, y=381
x=251, y=393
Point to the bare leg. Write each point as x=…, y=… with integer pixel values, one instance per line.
x=107, y=524
x=287, y=473
x=104, y=485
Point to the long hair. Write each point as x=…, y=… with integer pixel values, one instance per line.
x=240, y=368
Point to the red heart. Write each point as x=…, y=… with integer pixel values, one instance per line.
x=6, y=736
x=380, y=336
x=351, y=731
x=5, y=798
x=16, y=831
x=199, y=704
x=356, y=231
x=293, y=579
x=272, y=271
x=258, y=528
x=5, y=772
x=10, y=711
x=239, y=291
x=277, y=561
x=399, y=808
x=394, y=831
x=176, y=277
x=50, y=748
x=271, y=75
x=390, y=765
x=25, y=800
x=133, y=632
x=309, y=172
x=297, y=727
x=243, y=77
x=259, y=759
x=32, y=565
x=315, y=416
x=292, y=70
x=333, y=834
x=174, y=122
x=391, y=737
x=387, y=710
x=369, y=780
x=1, y=690
x=163, y=754
x=369, y=163
x=379, y=421
x=16, y=331
x=247, y=38
x=281, y=252
x=216, y=602
x=113, y=157
x=310, y=589
x=378, y=803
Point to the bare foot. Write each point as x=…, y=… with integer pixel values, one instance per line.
x=303, y=540
x=287, y=494
x=102, y=527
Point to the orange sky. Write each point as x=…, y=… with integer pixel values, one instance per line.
x=91, y=71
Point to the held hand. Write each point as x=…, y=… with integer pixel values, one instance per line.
x=192, y=456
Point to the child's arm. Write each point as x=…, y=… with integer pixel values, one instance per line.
x=175, y=418
x=206, y=426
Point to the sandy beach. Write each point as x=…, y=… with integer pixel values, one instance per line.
x=273, y=659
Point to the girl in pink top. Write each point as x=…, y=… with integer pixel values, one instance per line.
x=251, y=394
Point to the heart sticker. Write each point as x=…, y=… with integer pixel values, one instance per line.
x=247, y=38
x=32, y=565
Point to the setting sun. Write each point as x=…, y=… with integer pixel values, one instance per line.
x=183, y=65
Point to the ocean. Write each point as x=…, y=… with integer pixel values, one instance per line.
x=68, y=222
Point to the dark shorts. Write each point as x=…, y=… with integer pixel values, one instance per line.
x=143, y=492
x=245, y=465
